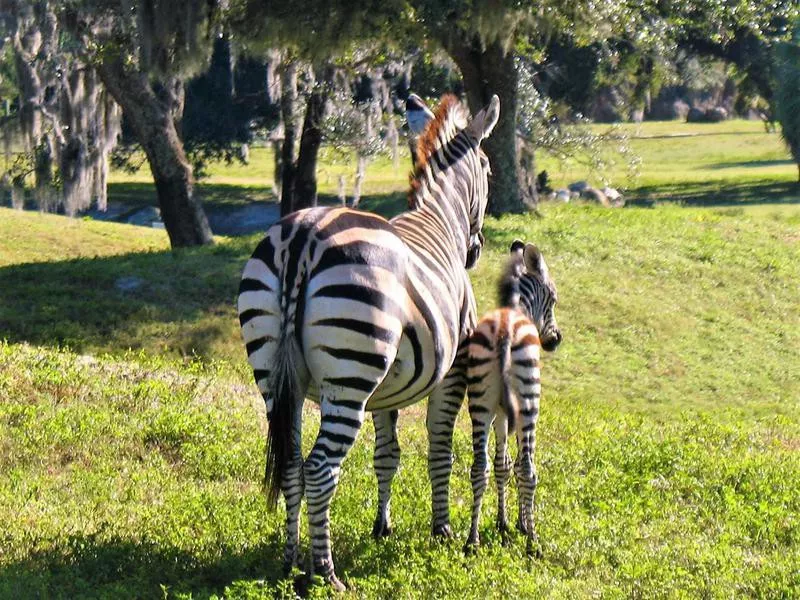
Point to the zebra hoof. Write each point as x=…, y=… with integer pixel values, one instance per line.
x=533, y=548
x=303, y=584
x=336, y=584
x=471, y=547
x=505, y=538
x=443, y=531
x=381, y=529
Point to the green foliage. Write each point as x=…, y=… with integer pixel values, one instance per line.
x=538, y=124
x=318, y=29
x=8, y=83
x=787, y=93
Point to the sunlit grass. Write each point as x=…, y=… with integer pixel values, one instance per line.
x=735, y=162
x=668, y=450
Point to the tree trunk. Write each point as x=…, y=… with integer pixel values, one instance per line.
x=486, y=71
x=299, y=177
x=305, y=184
x=152, y=121
x=288, y=104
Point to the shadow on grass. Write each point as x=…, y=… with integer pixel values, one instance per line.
x=182, y=301
x=750, y=164
x=693, y=134
x=719, y=194
x=85, y=566
x=215, y=196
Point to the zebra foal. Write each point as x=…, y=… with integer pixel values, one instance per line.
x=364, y=314
x=504, y=388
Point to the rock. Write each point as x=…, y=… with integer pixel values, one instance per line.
x=611, y=193
x=696, y=115
x=595, y=195
x=563, y=195
x=144, y=216
x=129, y=283
x=115, y=211
x=716, y=114
x=578, y=186
x=257, y=216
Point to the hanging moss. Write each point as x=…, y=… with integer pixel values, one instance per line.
x=67, y=121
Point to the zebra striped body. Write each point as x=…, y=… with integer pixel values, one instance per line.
x=504, y=385
x=364, y=314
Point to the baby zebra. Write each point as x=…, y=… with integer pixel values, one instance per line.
x=504, y=386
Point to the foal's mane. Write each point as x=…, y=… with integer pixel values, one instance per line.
x=449, y=118
x=508, y=289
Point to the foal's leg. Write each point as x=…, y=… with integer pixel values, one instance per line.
x=479, y=474
x=386, y=460
x=502, y=472
x=525, y=471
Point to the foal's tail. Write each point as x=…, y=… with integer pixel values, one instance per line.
x=507, y=399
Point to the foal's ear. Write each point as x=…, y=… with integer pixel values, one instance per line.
x=516, y=246
x=483, y=123
x=534, y=261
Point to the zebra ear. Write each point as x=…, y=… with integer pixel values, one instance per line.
x=483, y=123
x=417, y=114
x=534, y=261
x=516, y=246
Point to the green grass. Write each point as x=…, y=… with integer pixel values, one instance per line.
x=732, y=163
x=669, y=441
x=131, y=436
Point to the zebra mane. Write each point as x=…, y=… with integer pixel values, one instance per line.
x=508, y=290
x=450, y=117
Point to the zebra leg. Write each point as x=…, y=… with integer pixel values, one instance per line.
x=443, y=406
x=339, y=424
x=386, y=460
x=292, y=488
x=502, y=473
x=479, y=474
x=525, y=471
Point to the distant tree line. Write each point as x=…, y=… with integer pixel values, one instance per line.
x=195, y=81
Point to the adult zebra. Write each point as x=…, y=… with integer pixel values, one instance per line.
x=366, y=314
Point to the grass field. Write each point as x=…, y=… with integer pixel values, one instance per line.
x=132, y=439
x=730, y=163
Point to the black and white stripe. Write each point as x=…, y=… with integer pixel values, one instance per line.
x=364, y=314
x=504, y=385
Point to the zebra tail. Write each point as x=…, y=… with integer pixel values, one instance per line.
x=508, y=400
x=286, y=392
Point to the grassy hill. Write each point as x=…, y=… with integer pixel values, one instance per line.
x=131, y=438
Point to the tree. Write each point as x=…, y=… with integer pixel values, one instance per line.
x=316, y=38
x=787, y=92
x=68, y=122
x=143, y=51
x=740, y=33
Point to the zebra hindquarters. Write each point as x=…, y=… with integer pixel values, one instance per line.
x=352, y=324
